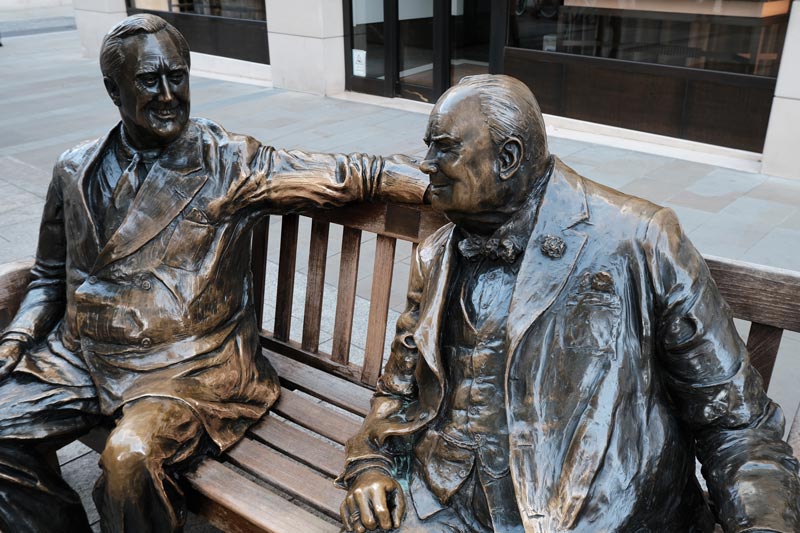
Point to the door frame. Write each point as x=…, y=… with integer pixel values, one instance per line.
x=390, y=86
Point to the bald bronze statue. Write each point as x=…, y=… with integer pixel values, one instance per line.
x=140, y=310
x=563, y=358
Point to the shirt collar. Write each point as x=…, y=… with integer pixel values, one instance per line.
x=127, y=151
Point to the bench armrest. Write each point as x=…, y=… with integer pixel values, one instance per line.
x=14, y=279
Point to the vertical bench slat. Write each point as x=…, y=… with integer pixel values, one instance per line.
x=378, y=308
x=285, y=292
x=315, y=285
x=763, y=342
x=258, y=266
x=346, y=299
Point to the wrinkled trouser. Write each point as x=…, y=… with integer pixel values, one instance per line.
x=152, y=439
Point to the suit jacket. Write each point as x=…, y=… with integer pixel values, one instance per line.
x=622, y=364
x=165, y=307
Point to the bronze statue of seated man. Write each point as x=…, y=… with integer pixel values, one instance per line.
x=563, y=358
x=140, y=309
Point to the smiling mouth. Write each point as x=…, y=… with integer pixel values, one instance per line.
x=166, y=114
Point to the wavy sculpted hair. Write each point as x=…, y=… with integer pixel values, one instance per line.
x=510, y=110
x=111, y=54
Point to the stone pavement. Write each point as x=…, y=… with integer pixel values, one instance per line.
x=51, y=99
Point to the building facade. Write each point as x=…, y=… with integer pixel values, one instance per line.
x=719, y=72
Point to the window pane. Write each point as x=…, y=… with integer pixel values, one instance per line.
x=729, y=35
x=469, y=37
x=415, y=34
x=368, y=39
x=238, y=9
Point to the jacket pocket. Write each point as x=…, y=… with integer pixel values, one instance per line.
x=188, y=245
x=593, y=321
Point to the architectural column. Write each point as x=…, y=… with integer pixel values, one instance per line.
x=306, y=45
x=94, y=18
x=783, y=133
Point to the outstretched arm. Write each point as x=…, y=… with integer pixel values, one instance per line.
x=751, y=473
x=283, y=181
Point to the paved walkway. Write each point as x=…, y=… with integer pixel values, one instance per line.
x=51, y=98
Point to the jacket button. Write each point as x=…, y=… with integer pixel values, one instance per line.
x=423, y=416
x=146, y=343
x=462, y=473
x=92, y=280
x=146, y=285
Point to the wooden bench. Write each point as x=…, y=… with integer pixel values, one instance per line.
x=279, y=478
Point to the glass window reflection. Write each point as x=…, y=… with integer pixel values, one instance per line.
x=726, y=36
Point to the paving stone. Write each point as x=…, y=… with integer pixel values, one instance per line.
x=778, y=190
x=680, y=173
x=72, y=451
x=726, y=236
x=81, y=475
x=650, y=189
x=780, y=248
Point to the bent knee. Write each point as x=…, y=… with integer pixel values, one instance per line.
x=126, y=454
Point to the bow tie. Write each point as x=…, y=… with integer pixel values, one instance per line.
x=475, y=247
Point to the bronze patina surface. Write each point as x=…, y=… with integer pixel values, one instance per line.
x=140, y=311
x=563, y=358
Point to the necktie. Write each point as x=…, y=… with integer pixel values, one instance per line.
x=123, y=196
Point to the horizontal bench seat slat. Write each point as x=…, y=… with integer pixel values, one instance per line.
x=337, y=391
x=311, y=487
x=301, y=446
x=303, y=412
x=236, y=504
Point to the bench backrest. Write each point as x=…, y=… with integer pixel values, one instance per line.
x=766, y=297
x=389, y=222
x=769, y=298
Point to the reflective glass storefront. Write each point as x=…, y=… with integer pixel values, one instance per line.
x=416, y=48
x=742, y=37
x=703, y=70
x=227, y=28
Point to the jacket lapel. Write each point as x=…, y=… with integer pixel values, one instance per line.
x=168, y=188
x=541, y=276
x=85, y=173
x=434, y=300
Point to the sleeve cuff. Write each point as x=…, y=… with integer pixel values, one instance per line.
x=22, y=338
x=354, y=469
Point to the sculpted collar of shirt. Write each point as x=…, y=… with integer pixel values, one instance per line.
x=126, y=152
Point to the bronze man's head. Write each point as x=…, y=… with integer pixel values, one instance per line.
x=145, y=64
x=487, y=149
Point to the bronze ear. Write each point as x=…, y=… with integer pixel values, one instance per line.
x=113, y=89
x=511, y=154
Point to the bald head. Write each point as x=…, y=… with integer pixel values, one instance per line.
x=509, y=110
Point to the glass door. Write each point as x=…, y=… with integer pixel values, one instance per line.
x=415, y=39
x=417, y=49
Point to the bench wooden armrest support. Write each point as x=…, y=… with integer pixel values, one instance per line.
x=279, y=478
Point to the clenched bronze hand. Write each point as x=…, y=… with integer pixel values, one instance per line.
x=374, y=499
